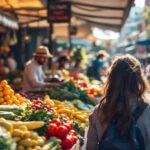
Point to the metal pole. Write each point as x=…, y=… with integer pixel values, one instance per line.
x=70, y=44
x=50, y=38
x=69, y=26
x=50, y=44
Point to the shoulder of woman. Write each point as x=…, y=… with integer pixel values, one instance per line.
x=146, y=114
x=95, y=112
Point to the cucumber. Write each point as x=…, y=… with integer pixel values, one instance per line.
x=7, y=115
x=14, y=109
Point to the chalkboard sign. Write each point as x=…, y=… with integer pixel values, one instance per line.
x=59, y=12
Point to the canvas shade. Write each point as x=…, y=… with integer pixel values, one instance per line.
x=109, y=14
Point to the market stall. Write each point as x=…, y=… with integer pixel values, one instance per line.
x=28, y=124
x=55, y=117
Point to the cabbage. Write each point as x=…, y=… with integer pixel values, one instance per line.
x=6, y=141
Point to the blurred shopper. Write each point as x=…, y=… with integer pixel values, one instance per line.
x=124, y=102
x=61, y=63
x=4, y=70
x=77, y=68
x=11, y=62
x=148, y=72
x=98, y=66
x=33, y=76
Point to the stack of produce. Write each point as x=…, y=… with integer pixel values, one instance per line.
x=6, y=141
x=93, y=88
x=8, y=96
x=41, y=124
x=23, y=134
x=81, y=117
x=63, y=130
x=10, y=111
x=49, y=109
x=68, y=91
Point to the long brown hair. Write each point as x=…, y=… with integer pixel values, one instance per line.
x=126, y=79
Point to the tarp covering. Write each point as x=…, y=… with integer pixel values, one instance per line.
x=109, y=14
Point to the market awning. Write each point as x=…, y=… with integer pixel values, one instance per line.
x=109, y=14
x=8, y=20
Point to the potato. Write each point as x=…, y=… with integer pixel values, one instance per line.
x=27, y=142
x=43, y=137
x=40, y=141
x=34, y=142
x=18, y=133
x=27, y=134
x=37, y=148
x=34, y=135
x=20, y=147
x=23, y=128
x=29, y=148
x=16, y=139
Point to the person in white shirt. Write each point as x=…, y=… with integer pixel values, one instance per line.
x=33, y=76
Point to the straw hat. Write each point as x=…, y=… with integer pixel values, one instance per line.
x=43, y=51
x=102, y=53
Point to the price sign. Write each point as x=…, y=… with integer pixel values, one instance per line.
x=59, y=12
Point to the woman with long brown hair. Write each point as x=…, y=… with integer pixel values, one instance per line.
x=126, y=87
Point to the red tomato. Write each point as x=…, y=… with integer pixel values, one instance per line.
x=62, y=131
x=69, y=126
x=75, y=139
x=52, y=129
x=56, y=121
x=72, y=132
x=67, y=143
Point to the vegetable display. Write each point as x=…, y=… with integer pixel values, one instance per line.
x=63, y=130
x=68, y=91
x=43, y=123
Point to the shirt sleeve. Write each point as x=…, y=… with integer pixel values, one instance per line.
x=33, y=79
x=92, y=139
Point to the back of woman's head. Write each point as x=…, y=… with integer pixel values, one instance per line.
x=125, y=83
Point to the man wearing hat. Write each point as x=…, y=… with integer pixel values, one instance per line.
x=33, y=76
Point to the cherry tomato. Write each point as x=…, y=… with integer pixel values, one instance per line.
x=38, y=102
x=62, y=131
x=32, y=107
x=52, y=129
x=38, y=107
x=56, y=121
x=48, y=108
x=72, y=132
x=67, y=143
x=84, y=84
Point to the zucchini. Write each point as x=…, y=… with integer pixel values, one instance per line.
x=31, y=125
x=7, y=115
x=12, y=108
